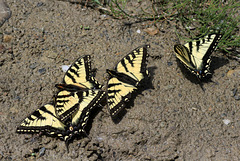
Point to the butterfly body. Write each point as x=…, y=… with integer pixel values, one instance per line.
x=123, y=77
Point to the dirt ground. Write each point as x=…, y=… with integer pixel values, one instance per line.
x=176, y=120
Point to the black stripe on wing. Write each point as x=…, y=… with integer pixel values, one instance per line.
x=43, y=120
x=66, y=103
x=79, y=76
x=212, y=47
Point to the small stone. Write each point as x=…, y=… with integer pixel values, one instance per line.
x=226, y=121
x=169, y=63
x=65, y=67
x=42, y=151
x=151, y=31
x=7, y=38
x=162, y=124
x=42, y=70
x=235, y=91
x=168, y=87
x=237, y=97
x=51, y=54
x=33, y=65
x=39, y=4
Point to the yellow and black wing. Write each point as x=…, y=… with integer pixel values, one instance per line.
x=195, y=55
x=79, y=76
x=77, y=81
x=90, y=100
x=43, y=120
x=67, y=102
x=125, y=79
x=46, y=121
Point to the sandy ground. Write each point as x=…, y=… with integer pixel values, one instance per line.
x=174, y=121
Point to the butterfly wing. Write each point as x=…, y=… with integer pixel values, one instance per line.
x=183, y=54
x=42, y=120
x=66, y=103
x=90, y=100
x=80, y=74
x=134, y=64
x=118, y=93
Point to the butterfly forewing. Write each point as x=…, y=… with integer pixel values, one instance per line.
x=80, y=74
x=42, y=120
x=134, y=64
x=183, y=54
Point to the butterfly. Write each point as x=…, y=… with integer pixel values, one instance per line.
x=68, y=115
x=78, y=77
x=44, y=120
x=126, y=78
x=195, y=55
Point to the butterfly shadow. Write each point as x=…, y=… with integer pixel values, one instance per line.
x=144, y=85
x=218, y=62
x=93, y=114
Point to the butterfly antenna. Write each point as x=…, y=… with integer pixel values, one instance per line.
x=66, y=143
x=85, y=133
x=201, y=84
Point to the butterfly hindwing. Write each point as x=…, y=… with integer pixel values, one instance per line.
x=126, y=78
x=91, y=99
x=195, y=55
x=78, y=120
x=118, y=93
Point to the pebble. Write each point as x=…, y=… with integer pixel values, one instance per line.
x=33, y=65
x=39, y=4
x=65, y=67
x=169, y=63
x=151, y=31
x=42, y=151
x=7, y=38
x=237, y=97
x=42, y=70
x=226, y=121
